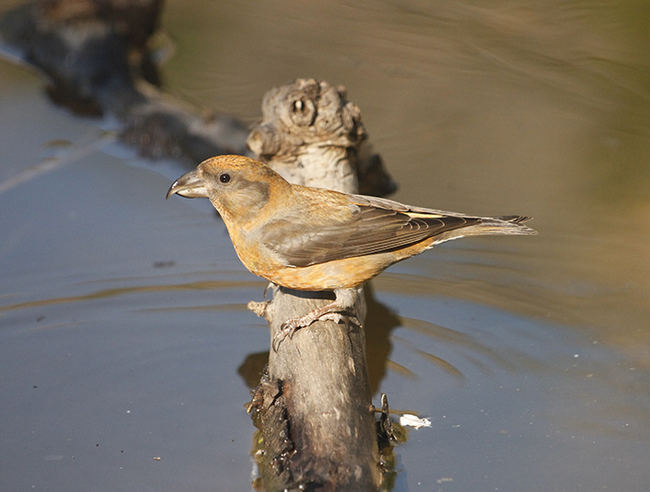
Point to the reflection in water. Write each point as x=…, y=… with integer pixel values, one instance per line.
x=437, y=361
x=252, y=368
x=458, y=339
x=400, y=369
x=380, y=322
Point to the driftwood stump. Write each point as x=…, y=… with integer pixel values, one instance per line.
x=313, y=405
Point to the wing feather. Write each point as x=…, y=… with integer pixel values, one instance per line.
x=375, y=225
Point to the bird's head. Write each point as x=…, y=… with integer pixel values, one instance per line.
x=237, y=186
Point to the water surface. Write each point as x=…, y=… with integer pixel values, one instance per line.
x=123, y=330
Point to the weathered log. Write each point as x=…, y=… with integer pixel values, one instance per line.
x=313, y=405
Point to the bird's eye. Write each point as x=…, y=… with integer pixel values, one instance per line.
x=224, y=177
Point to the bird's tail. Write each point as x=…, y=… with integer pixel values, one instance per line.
x=489, y=226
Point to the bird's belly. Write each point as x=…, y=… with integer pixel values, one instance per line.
x=337, y=274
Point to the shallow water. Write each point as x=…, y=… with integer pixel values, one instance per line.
x=123, y=330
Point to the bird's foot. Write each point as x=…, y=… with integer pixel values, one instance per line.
x=329, y=312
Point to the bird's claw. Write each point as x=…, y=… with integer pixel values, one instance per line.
x=287, y=329
x=290, y=326
x=270, y=285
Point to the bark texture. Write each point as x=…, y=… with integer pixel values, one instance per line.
x=313, y=406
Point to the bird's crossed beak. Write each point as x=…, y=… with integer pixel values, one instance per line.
x=189, y=185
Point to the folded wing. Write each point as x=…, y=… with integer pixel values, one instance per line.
x=377, y=225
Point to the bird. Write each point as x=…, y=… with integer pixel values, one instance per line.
x=316, y=239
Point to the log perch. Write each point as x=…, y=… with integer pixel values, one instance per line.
x=313, y=406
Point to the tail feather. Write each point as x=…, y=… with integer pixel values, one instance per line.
x=516, y=219
x=490, y=226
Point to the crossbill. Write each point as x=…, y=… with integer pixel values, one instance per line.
x=315, y=239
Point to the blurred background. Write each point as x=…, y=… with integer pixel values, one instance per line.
x=124, y=336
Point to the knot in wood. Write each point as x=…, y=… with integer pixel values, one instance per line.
x=303, y=113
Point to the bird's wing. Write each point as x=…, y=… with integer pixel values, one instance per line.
x=375, y=225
